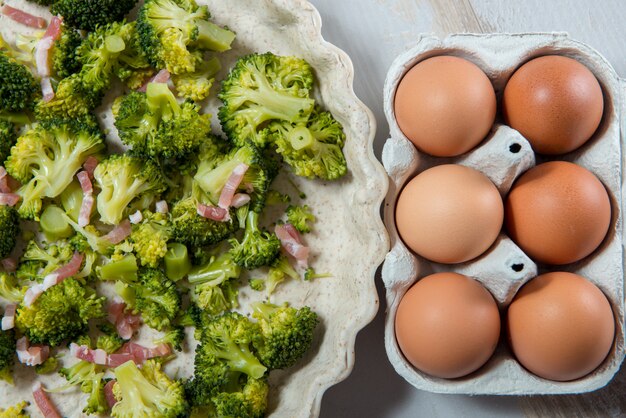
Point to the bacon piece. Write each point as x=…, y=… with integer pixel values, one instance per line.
x=162, y=76
x=136, y=218
x=24, y=18
x=86, y=206
x=213, y=212
x=54, y=28
x=32, y=293
x=126, y=324
x=292, y=243
x=85, y=182
x=90, y=165
x=161, y=207
x=240, y=199
x=31, y=355
x=8, y=320
x=231, y=186
x=9, y=264
x=108, y=393
x=7, y=183
x=9, y=199
x=4, y=181
x=100, y=357
x=116, y=359
x=70, y=269
x=48, y=410
x=119, y=233
x=42, y=56
x=46, y=89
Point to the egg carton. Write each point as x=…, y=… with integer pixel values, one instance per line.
x=503, y=156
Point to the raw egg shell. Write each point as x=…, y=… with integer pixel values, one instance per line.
x=445, y=105
x=557, y=212
x=560, y=326
x=447, y=325
x=449, y=213
x=555, y=102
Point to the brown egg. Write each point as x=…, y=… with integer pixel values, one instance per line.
x=445, y=105
x=557, y=212
x=447, y=325
x=560, y=326
x=555, y=102
x=449, y=213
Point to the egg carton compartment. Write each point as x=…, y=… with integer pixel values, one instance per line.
x=503, y=156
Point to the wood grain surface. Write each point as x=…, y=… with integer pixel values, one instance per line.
x=373, y=33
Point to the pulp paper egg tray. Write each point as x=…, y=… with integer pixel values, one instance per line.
x=503, y=156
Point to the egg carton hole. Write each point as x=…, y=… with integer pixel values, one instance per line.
x=515, y=148
x=517, y=267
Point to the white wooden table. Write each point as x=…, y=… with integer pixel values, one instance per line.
x=373, y=33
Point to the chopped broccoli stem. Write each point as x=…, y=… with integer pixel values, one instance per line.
x=124, y=269
x=72, y=200
x=54, y=224
x=177, y=262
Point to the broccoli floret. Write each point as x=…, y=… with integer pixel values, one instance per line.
x=263, y=88
x=170, y=31
x=312, y=148
x=8, y=137
x=110, y=341
x=148, y=392
x=197, y=85
x=90, y=378
x=214, y=289
x=89, y=15
x=257, y=248
x=229, y=338
x=249, y=401
x=46, y=158
x=7, y=355
x=156, y=298
x=213, y=174
x=61, y=313
x=50, y=258
x=299, y=217
x=150, y=237
x=279, y=271
x=287, y=333
x=174, y=337
x=9, y=230
x=72, y=100
x=10, y=289
x=65, y=60
x=112, y=50
x=194, y=230
x=154, y=124
x=18, y=88
x=15, y=411
x=122, y=179
x=48, y=367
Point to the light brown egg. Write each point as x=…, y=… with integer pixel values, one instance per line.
x=557, y=212
x=445, y=105
x=555, y=102
x=447, y=325
x=560, y=326
x=449, y=213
